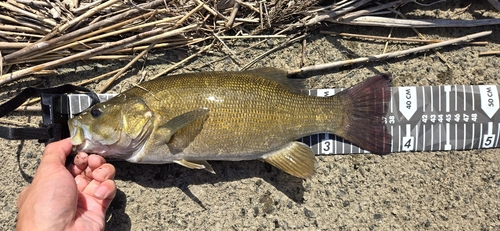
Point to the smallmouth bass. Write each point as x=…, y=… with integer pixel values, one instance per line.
x=191, y=118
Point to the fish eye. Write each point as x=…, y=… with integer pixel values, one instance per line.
x=95, y=112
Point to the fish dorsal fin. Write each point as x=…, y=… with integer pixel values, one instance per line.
x=296, y=159
x=195, y=164
x=181, y=121
x=280, y=76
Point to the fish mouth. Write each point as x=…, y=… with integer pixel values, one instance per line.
x=76, y=132
x=79, y=141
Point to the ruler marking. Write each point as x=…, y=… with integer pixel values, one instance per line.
x=447, y=90
x=336, y=144
x=439, y=97
x=327, y=137
x=343, y=145
x=79, y=103
x=480, y=135
x=423, y=138
x=392, y=140
x=432, y=98
x=465, y=97
x=432, y=137
x=416, y=138
x=318, y=139
x=498, y=134
x=71, y=107
x=447, y=145
x=473, y=101
x=456, y=136
x=465, y=134
x=472, y=138
x=423, y=99
x=440, y=141
x=392, y=103
x=456, y=98
x=399, y=146
x=310, y=141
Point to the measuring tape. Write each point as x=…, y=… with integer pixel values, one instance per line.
x=437, y=118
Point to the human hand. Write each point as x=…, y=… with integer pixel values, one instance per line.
x=67, y=198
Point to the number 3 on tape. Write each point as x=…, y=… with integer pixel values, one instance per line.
x=326, y=146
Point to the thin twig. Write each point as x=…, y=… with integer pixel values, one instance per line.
x=396, y=39
x=123, y=69
x=182, y=61
x=271, y=51
x=87, y=81
x=417, y=23
x=249, y=6
x=388, y=55
x=232, y=54
x=212, y=11
x=303, y=57
x=420, y=35
x=252, y=36
x=230, y=22
x=178, y=23
x=490, y=53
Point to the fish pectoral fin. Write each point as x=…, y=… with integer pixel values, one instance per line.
x=195, y=164
x=296, y=159
x=181, y=121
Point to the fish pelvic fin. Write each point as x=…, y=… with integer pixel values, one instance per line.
x=365, y=105
x=195, y=164
x=296, y=159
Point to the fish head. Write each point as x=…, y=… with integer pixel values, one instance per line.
x=115, y=128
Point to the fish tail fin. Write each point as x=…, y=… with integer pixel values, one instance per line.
x=365, y=105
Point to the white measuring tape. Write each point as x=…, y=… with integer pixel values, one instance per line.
x=437, y=118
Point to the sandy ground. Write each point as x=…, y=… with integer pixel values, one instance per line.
x=456, y=190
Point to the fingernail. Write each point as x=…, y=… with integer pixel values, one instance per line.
x=101, y=192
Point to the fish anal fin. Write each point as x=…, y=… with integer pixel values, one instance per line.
x=195, y=164
x=365, y=105
x=296, y=159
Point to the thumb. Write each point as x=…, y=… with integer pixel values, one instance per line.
x=56, y=152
